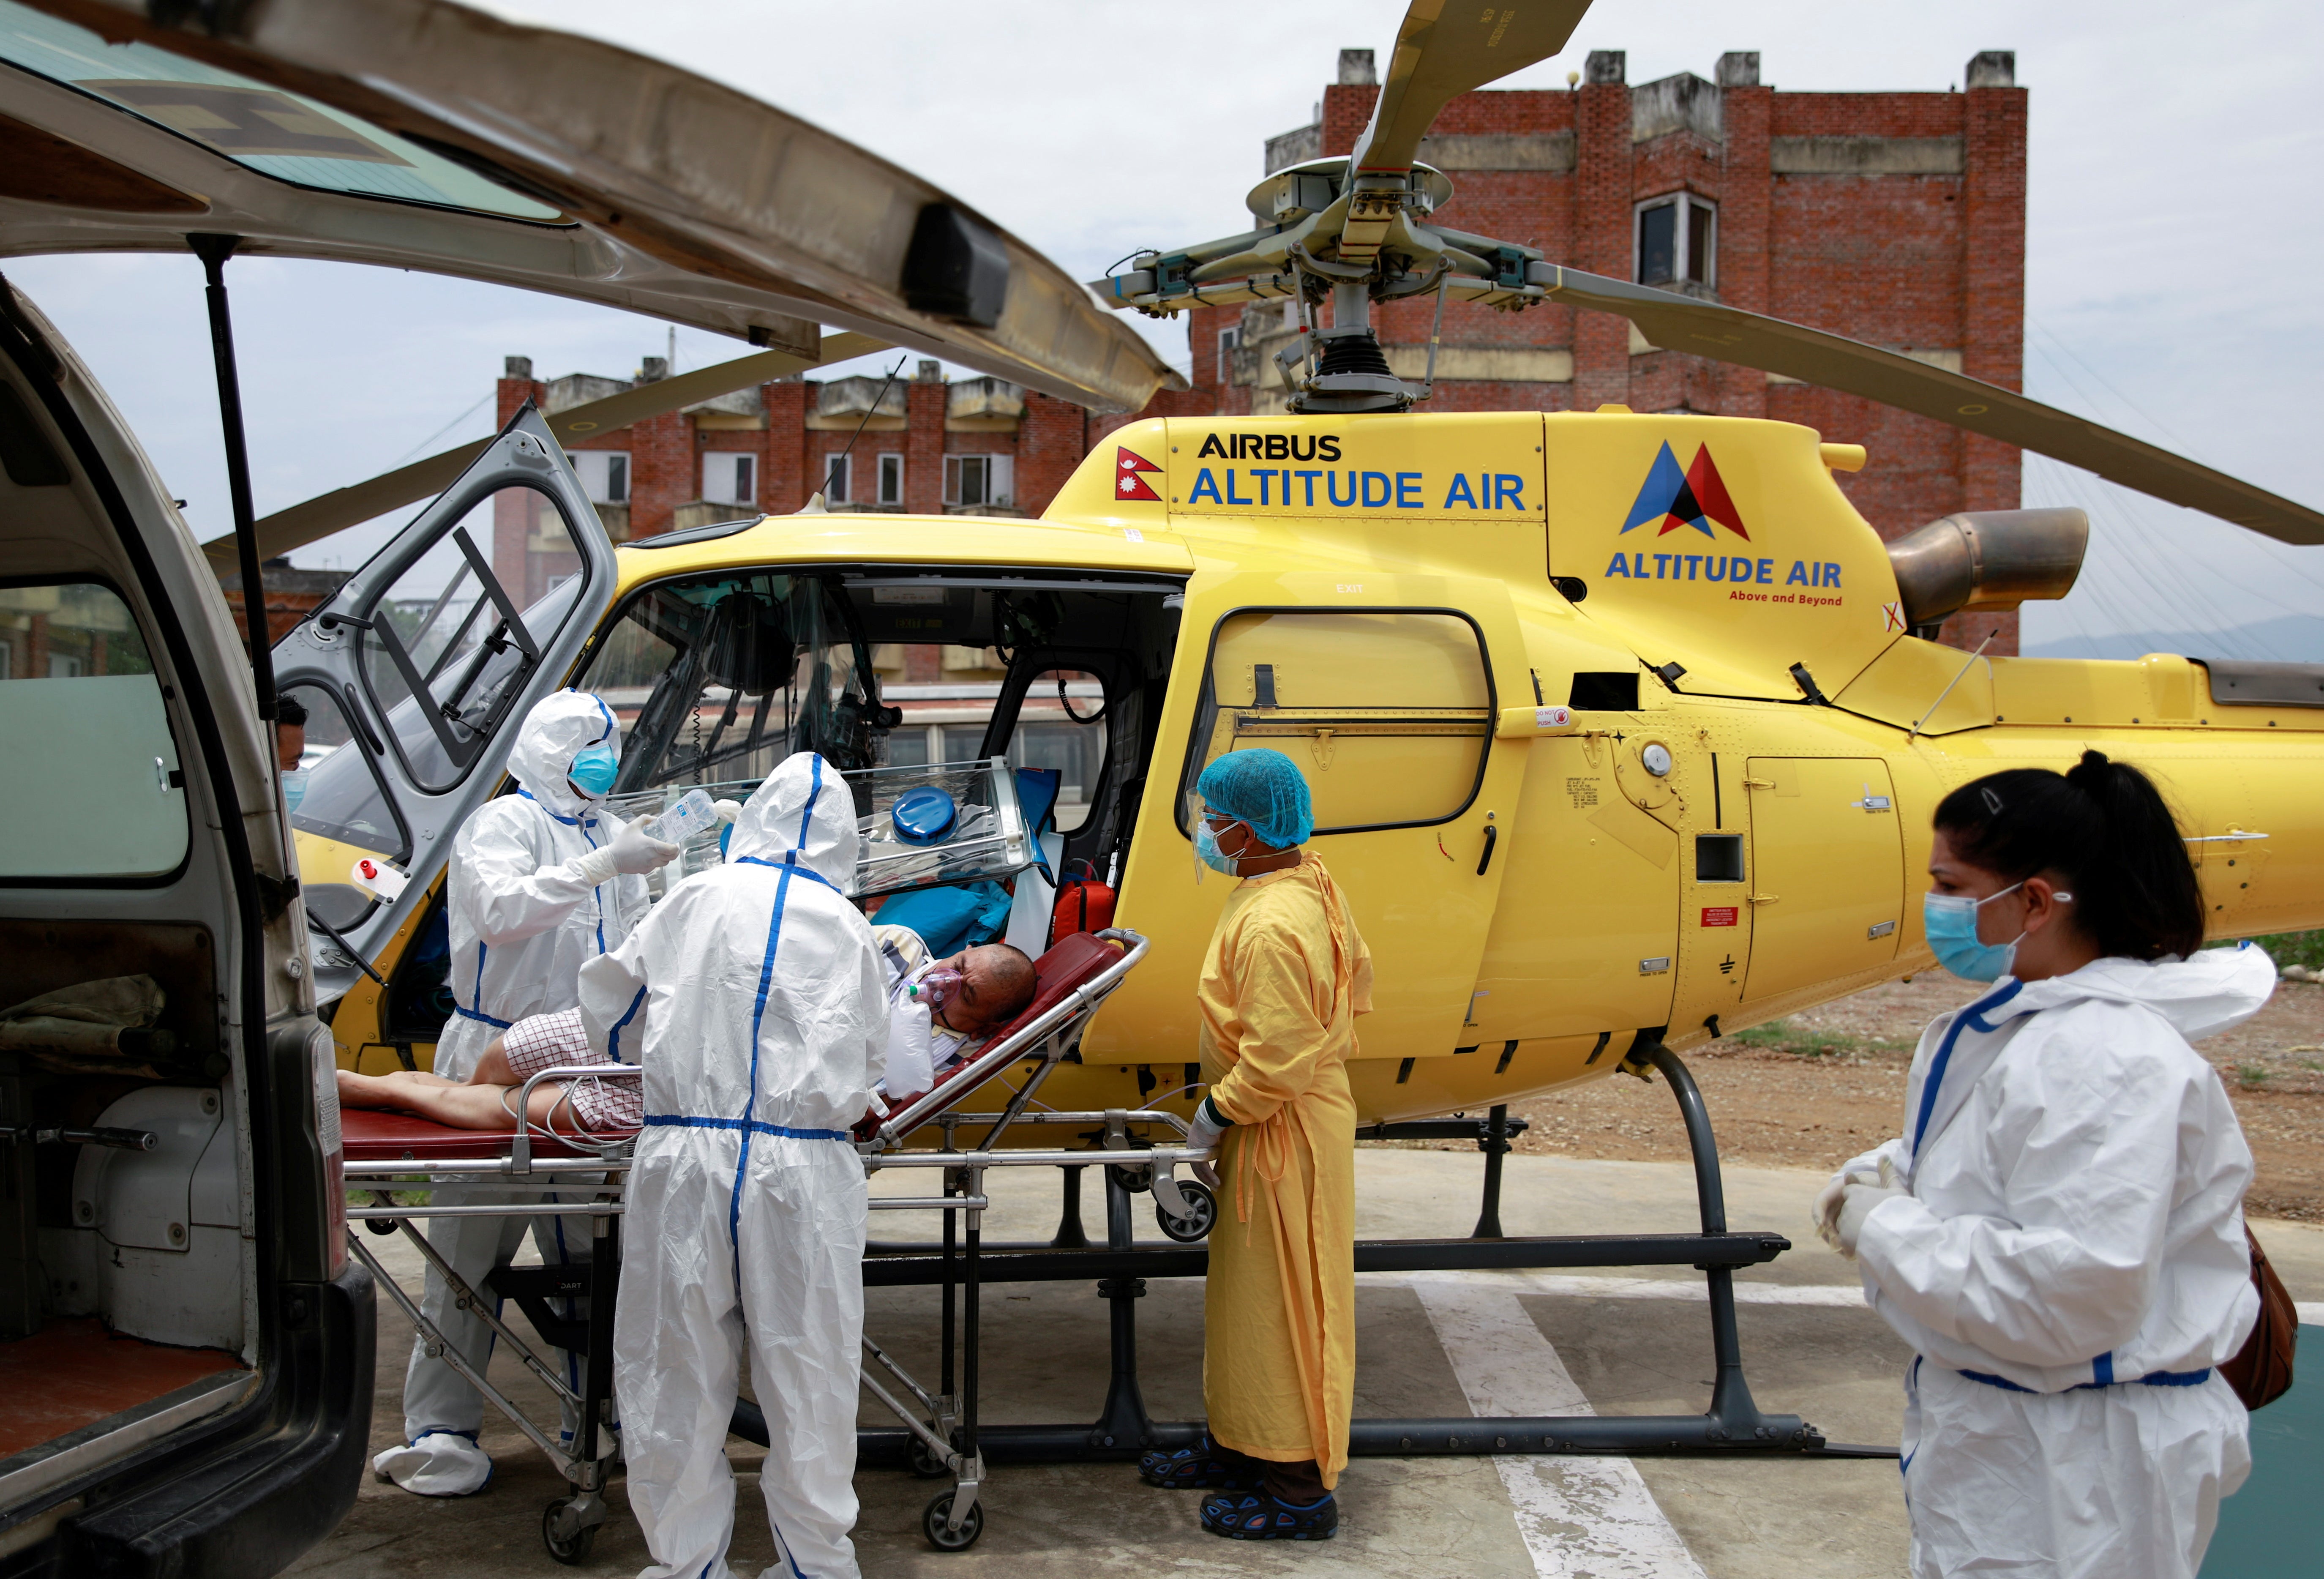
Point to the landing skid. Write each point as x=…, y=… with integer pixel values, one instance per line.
x=1733, y=1423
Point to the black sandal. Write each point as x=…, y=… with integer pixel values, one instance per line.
x=1193, y=1469
x=1264, y=1517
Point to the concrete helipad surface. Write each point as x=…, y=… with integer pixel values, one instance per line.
x=1427, y=1344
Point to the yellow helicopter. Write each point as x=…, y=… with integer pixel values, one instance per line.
x=1624, y=730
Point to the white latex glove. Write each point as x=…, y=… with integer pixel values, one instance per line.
x=1202, y=1135
x=636, y=851
x=1857, y=1203
x=1827, y=1208
x=729, y=811
x=593, y=867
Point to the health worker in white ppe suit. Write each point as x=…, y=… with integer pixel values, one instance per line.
x=756, y=999
x=2059, y=1231
x=539, y=880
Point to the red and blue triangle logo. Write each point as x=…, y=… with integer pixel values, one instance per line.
x=1694, y=497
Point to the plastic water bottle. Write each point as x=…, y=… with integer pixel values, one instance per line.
x=694, y=815
x=935, y=987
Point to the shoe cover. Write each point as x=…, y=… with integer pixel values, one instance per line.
x=439, y=1464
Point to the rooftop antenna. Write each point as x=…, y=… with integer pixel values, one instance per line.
x=841, y=458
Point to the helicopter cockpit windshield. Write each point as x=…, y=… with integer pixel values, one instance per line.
x=717, y=680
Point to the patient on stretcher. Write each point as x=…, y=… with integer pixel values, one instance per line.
x=996, y=984
x=486, y=1100
x=935, y=1023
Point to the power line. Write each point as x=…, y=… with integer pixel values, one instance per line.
x=413, y=453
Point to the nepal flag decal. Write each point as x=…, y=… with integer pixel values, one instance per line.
x=1127, y=483
x=1694, y=497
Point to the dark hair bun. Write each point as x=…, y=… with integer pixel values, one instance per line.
x=2090, y=775
x=2101, y=825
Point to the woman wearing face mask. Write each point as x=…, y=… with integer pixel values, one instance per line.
x=2059, y=1231
x=1286, y=975
x=540, y=882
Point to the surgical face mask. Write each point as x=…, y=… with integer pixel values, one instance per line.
x=594, y=769
x=294, y=787
x=1207, y=851
x=1949, y=920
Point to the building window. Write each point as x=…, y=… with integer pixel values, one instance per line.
x=891, y=479
x=729, y=478
x=1228, y=340
x=980, y=479
x=834, y=481
x=1678, y=241
x=606, y=474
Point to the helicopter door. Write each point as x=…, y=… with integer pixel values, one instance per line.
x=1827, y=881
x=431, y=653
x=1384, y=692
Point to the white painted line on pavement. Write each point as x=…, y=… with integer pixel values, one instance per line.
x=2311, y=1312
x=1569, y=1284
x=1579, y=1517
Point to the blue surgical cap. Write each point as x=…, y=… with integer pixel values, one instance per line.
x=1264, y=789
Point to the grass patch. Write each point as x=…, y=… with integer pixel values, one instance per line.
x=1805, y=1041
x=2252, y=1076
x=2295, y=948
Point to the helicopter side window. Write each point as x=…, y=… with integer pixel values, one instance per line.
x=1387, y=712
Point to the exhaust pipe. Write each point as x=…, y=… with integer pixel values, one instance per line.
x=1986, y=561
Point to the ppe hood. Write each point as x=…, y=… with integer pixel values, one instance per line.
x=2214, y=990
x=552, y=734
x=804, y=810
x=420, y=134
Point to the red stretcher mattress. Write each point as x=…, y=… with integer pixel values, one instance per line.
x=376, y=1135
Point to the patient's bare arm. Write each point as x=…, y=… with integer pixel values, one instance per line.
x=493, y=1068
x=456, y=1105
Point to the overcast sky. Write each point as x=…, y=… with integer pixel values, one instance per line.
x=2175, y=217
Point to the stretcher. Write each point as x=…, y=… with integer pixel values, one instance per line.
x=385, y=1152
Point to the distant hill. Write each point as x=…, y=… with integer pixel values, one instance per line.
x=2287, y=638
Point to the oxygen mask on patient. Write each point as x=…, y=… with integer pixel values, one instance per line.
x=935, y=987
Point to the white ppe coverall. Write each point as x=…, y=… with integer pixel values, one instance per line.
x=2069, y=1261
x=756, y=999
x=526, y=905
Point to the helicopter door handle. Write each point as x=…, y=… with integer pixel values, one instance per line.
x=1765, y=899
x=1492, y=837
x=1758, y=783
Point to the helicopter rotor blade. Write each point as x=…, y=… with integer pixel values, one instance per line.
x=297, y=525
x=1748, y=339
x=1438, y=57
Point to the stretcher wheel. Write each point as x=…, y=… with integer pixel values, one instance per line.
x=923, y=1461
x=1196, y=1225
x=568, y=1540
x=382, y=1226
x=939, y=1514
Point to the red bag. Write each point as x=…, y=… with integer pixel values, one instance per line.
x=2262, y=1371
x=1084, y=905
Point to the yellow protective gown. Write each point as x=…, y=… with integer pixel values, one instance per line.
x=1287, y=976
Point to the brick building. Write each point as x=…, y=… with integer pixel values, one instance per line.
x=1898, y=219
x=291, y=594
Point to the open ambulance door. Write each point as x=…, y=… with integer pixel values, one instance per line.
x=415, y=675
